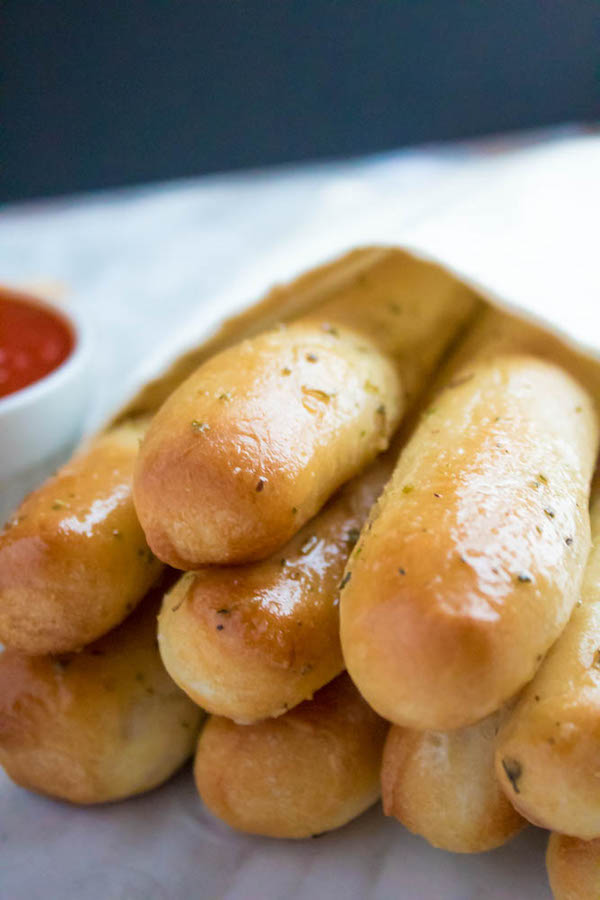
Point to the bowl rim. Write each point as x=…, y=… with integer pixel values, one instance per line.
x=53, y=380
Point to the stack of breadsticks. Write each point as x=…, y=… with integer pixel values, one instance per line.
x=365, y=502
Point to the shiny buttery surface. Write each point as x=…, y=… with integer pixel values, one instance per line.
x=254, y=442
x=73, y=559
x=251, y=641
x=279, y=422
x=476, y=554
x=549, y=745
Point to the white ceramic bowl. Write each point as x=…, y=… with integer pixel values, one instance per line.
x=40, y=424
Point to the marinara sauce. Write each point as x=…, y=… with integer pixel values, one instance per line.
x=34, y=341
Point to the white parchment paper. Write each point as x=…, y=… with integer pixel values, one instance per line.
x=155, y=271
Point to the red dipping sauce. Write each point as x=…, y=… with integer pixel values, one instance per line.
x=34, y=341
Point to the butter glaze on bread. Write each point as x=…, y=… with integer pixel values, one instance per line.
x=250, y=447
x=73, y=559
x=256, y=440
x=477, y=547
x=442, y=786
x=548, y=755
x=573, y=868
x=249, y=642
x=309, y=771
x=99, y=725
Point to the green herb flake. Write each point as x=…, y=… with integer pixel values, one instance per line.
x=225, y=396
x=514, y=771
x=330, y=329
x=407, y=489
x=370, y=388
x=352, y=536
x=200, y=427
x=286, y=371
x=549, y=512
x=345, y=580
x=401, y=571
x=294, y=510
x=60, y=663
x=59, y=504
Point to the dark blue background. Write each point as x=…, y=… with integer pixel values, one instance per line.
x=112, y=92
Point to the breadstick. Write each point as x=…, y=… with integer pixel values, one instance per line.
x=475, y=554
x=252, y=444
x=573, y=868
x=309, y=771
x=547, y=756
x=249, y=642
x=99, y=725
x=442, y=786
x=74, y=560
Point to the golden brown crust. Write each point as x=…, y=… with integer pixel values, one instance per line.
x=73, y=559
x=442, y=786
x=99, y=725
x=249, y=642
x=477, y=548
x=251, y=445
x=309, y=771
x=573, y=868
x=547, y=759
x=241, y=454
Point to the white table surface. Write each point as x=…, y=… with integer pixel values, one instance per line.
x=149, y=268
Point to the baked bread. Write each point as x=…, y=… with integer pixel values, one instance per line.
x=249, y=642
x=573, y=868
x=309, y=771
x=74, y=561
x=251, y=445
x=442, y=786
x=99, y=725
x=547, y=759
x=473, y=560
